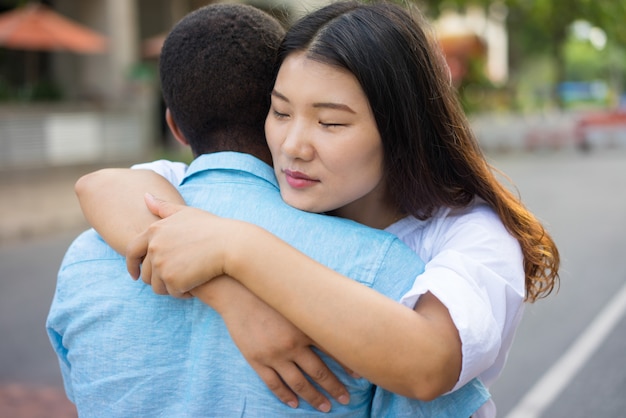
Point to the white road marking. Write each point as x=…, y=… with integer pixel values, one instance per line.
x=552, y=383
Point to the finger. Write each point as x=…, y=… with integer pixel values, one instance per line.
x=177, y=293
x=158, y=287
x=159, y=207
x=277, y=386
x=352, y=373
x=297, y=382
x=345, y=368
x=135, y=253
x=146, y=271
x=313, y=366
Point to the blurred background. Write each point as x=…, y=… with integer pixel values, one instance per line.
x=79, y=82
x=542, y=82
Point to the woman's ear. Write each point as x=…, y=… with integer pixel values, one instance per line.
x=174, y=128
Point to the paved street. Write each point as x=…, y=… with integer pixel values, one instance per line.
x=580, y=197
x=30, y=382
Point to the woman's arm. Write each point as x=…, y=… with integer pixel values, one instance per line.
x=415, y=353
x=112, y=202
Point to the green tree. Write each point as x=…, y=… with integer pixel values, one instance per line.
x=541, y=27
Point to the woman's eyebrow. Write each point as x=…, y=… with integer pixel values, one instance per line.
x=326, y=105
x=336, y=106
x=279, y=96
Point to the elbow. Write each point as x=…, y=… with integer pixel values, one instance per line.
x=438, y=369
x=84, y=184
x=430, y=388
x=90, y=183
x=438, y=378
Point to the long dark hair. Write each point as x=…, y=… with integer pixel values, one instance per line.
x=432, y=158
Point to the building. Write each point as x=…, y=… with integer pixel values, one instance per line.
x=110, y=108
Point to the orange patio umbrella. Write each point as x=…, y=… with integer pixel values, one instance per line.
x=151, y=47
x=466, y=45
x=37, y=27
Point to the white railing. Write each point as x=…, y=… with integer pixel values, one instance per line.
x=56, y=135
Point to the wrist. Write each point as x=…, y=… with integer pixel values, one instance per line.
x=220, y=294
x=241, y=252
x=234, y=248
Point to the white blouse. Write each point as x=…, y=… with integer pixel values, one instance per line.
x=475, y=268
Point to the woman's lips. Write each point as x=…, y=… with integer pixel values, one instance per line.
x=298, y=180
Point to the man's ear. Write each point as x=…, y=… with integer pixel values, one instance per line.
x=174, y=128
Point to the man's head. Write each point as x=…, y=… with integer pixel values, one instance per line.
x=216, y=71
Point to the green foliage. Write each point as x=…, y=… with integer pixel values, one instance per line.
x=5, y=90
x=538, y=31
x=584, y=62
x=433, y=8
x=475, y=89
x=533, y=84
x=174, y=153
x=40, y=91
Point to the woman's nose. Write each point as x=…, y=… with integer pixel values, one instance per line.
x=296, y=143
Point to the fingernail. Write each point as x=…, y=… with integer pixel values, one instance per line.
x=324, y=407
x=293, y=404
x=344, y=399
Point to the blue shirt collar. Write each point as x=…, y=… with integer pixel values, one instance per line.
x=228, y=160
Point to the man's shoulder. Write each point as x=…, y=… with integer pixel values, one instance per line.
x=326, y=226
x=89, y=246
x=371, y=256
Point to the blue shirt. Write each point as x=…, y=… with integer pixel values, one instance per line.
x=126, y=352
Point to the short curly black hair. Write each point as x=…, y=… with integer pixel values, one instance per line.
x=216, y=70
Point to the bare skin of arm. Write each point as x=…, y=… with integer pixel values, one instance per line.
x=280, y=353
x=112, y=202
x=415, y=353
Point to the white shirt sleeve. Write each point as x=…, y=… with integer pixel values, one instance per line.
x=475, y=268
x=173, y=171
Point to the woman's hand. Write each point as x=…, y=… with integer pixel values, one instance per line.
x=279, y=352
x=181, y=251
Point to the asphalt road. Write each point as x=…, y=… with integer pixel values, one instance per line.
x=27, y=281
x=568, y=359
x=582, y=200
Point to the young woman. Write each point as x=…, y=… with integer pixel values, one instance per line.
x=365, y=125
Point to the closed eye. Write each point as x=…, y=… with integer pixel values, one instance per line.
x=279, y=115
x=331, y=125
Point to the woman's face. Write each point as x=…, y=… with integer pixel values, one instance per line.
x=327, y=152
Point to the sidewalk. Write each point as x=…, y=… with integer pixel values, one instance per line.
x=33, y=204
x=37, y=202
x=19, y=401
